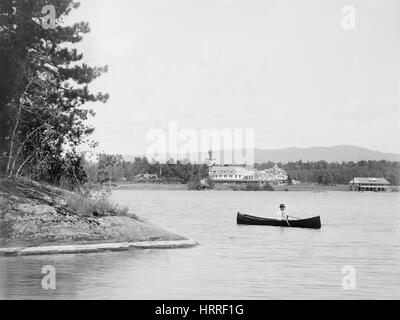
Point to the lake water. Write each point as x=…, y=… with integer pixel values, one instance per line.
x=360, y=233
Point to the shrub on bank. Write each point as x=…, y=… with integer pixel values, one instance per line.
x=252, y=187
x=257, y=187
x=268, y=187
x=88, y=207
x=195, y=185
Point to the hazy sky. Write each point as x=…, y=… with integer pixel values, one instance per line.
x=287, y=69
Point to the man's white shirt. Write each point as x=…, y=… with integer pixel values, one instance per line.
x=280, y=215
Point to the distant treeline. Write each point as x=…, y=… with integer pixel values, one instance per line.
x=112, y=168
x=322, y=172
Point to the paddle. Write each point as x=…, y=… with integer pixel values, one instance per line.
x=288, y=222
x=294, y=217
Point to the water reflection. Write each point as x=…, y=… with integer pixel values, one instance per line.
x=233, y=261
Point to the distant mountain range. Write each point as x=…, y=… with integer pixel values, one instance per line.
x=330, y=154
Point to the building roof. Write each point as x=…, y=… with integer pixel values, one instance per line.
x=146, y=175
x=369, y=180
x=271, y=174
x=229, y=170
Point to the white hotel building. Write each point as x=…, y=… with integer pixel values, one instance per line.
x=241, y=174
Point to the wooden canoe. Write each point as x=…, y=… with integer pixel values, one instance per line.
x=314, y=222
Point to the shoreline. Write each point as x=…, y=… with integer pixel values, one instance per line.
x=96, y=247
x=310, y=187
x=149, y=186
x=304, y=187
x=41, y=219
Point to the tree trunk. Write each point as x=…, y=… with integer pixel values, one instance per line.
x=20, y=167
x=13, y=137
x=11, y=151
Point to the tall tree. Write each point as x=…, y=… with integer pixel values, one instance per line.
x=43, y=87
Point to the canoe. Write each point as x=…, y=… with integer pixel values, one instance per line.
x=314, y=222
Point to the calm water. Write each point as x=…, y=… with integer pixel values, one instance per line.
x=232, y=262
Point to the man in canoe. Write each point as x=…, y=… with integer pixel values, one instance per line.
x=281, y=215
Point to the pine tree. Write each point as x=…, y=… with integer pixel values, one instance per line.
x=43, y=86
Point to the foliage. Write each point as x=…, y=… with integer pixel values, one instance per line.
x=210, y=183
x=43, y=89
x=108, y=165
x=322, y=172
x=252, y=187
x=258, y=187
x=267, y=187
x=195, y=184
x=87, y=207
x=114, y=168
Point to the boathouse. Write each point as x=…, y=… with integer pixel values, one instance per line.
x=368, y=184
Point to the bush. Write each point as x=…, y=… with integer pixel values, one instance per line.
x=87, y=207
x=210, y=183
x=257, y=187
x=195, y=185
x=268, y=187
x=252, y=187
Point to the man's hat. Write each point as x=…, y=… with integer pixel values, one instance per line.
x=281, y=205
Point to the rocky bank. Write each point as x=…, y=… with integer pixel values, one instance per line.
x=35, y=215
